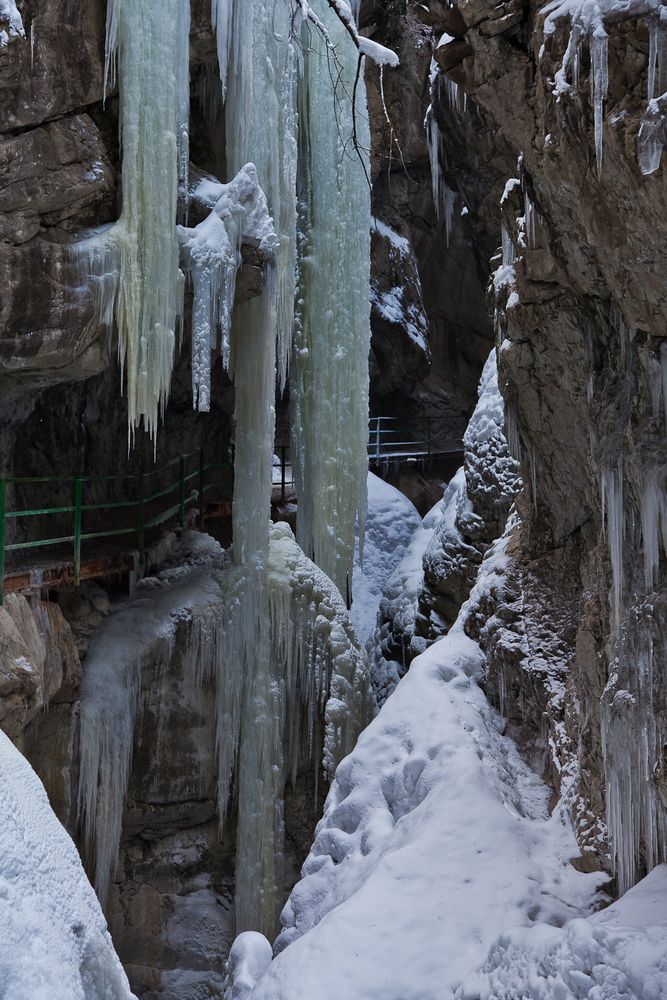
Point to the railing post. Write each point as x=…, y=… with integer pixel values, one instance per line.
x=141, y=525
x=201, y=489
x=377, y=440
x=2, y=539
x=429, y=444
x=283, y=463
x=181, y=492
x=78, y=490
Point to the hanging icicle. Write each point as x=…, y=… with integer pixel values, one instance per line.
x=136, y=261
x=329, y=384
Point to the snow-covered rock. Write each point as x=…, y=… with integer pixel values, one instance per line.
x=54, y=937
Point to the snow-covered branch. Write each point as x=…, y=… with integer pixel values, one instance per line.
x=373, y=50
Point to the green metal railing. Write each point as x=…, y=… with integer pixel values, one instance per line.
x=190, y=485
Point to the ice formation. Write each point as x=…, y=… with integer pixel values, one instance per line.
x=255, y=41
x=212, y=257
x=443, y=196
x=136, y=261
x=142, y=632
x=55, y=941
x=274, y=685
x=587, y=19
x=611, y=488
x=314, y=667
x=633, y=715
x=329, y=375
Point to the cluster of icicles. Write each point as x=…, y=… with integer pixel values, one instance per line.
x=305, y=700
x=287, y=73
x=633, y=704
x=587, y=18
x=292, y=120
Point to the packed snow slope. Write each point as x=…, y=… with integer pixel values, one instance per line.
x=436, y=837
x=54, y=941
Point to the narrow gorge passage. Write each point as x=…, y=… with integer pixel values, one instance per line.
x=333, y=511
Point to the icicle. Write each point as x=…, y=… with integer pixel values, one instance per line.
x=651, y=138
x=653, y=508
x=652, y=57
x=221, y=22
x=329, y=387
x=508, y=248
x=634, y=734
x=663, y=365
x=599, y=84
x=611, y=486
x=136, y=261
x=311, y=665
x=261, y=129
x=456, y=96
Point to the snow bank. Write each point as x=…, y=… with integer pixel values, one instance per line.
x=391, y=523
x=617, y=954
x=436, y=837
x=54, y=938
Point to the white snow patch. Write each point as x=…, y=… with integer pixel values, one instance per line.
x=54, y=937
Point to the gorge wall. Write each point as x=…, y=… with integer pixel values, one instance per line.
x=494, y=222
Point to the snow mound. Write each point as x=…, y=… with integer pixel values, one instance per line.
x=391, y=522
x=436, y=837
x=54, y=937
x=617, y=954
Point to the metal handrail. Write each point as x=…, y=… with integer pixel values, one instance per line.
x=78, y=508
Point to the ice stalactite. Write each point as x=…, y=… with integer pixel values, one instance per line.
x=653, y=509
x=329, y=375
x=261, y=126
x=221, y=22
x=443, y=196
x=143, y=632
x=611, y=488
x=456, y=96
x=136, y=261
x=587, y=20
x=269, y=706
x=634, y=735
x=653, y=129
x=599, y=86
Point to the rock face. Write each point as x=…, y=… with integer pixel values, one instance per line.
x=443, y=279
x=580, y=319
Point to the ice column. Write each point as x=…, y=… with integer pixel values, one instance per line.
x=261, y=128
x=329, y=381
x=136, y=262
x=306, y=663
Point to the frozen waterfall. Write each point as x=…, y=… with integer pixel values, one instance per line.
x=136, y=261
x=329, y=374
